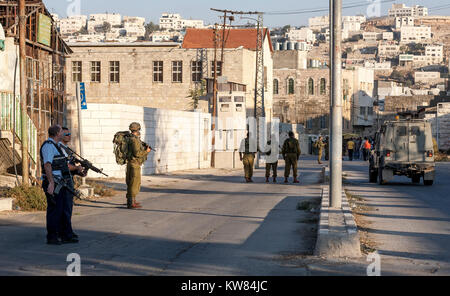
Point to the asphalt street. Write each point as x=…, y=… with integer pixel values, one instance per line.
x=409, y=223
x=202, y=222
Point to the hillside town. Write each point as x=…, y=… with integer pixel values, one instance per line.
x=194, y=94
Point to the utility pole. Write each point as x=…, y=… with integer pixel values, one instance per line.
x=336, y=105
x=23, y=92
x=214, y=117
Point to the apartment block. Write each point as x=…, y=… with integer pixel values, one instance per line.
x=418, y=34
x=400, y=10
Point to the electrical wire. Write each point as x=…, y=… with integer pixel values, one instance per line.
x=289, y=12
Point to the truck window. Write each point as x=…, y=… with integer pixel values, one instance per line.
x=414, y=131
x=401, y=131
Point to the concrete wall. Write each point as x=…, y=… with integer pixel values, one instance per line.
x=441, y=133
x=182, y=139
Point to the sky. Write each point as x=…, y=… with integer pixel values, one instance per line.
x=200, y=9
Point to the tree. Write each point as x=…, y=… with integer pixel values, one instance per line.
x=196, y=93
x=285, y=29
x=83, y=30
x=150, y=28
x=104, y=28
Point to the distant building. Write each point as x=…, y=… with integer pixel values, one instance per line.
x=318, y=23
x=173, y=21
x=349, y=23
x=134, y=26
x=71, y=25
x=435, y=53
x=404, y=21
x=388, y=50
x=400, y=10
x=303, y=34
x=428, y=77
x=419, y=34
x=97, y=20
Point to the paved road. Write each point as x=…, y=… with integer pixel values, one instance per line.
x=410, y=223
x=206, y=222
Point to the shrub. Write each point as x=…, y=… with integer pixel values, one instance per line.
x=27, y=198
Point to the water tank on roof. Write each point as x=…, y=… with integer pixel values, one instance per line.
x=284, y=46
x=297, y=45
x=277, y=46
x=289, y=45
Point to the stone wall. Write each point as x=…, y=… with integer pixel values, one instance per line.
x=442, y=129
x=181, y=139
x=394, y=104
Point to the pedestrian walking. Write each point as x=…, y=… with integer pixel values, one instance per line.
x=366, y=148
x=272, y=158
x=350, y=149
x=319, y=145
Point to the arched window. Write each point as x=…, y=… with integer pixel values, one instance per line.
x=323, y=86
x=290, y=86
x=275, y=86
x=310, y=86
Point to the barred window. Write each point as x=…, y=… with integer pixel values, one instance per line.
x=219, y=68
x=323, y=86
x=76, y=71
x=290, y=86
x=275, y=86
x=158, y=71
x=177, y=71
x=196, y=71
x=95, y=71
x=114, y=72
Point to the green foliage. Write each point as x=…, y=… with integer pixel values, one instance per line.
x=150, y=28
x=27, y=198
x=197, y=92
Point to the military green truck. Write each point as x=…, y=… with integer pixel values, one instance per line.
x=403, y=148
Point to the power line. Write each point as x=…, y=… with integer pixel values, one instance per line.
x=290, y=12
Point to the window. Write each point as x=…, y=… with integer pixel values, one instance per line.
x=362, y=111
x=196, y=71
x=310, y=86
x=158, y=71
x=309, y=123
x=275, y=86
x=219, y=68
x=290, y=86
x=369, y=110
x=323, y=86
x=76, y=72
x=114, y=72
x=323, y=121
x=95, y=72
x=177, y=71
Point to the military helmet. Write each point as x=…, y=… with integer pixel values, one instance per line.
x=135, y=127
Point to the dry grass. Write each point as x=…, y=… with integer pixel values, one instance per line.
x=100, y=189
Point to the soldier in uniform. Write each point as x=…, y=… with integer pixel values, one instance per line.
x=247, y=153
x=327, y=148
x=55, y=166
x=291, y=154
x=320, y=146
x=272, y=158
x=137, y=155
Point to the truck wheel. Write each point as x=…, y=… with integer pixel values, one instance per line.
x=428, y=182
x=380, y=177
x=373, y=176
x=416, y=179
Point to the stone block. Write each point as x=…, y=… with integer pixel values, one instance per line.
x=6, y=204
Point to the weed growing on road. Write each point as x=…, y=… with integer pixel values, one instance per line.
x=100, y=189
x=309, y=205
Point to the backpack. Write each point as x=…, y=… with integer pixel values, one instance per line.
x=120, y=142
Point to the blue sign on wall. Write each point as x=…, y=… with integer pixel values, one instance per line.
x=83, y=96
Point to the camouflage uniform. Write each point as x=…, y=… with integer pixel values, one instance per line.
x=327, y=149
x=136, y=157
x=291, y=153
x=248, y=159
x=320, y=146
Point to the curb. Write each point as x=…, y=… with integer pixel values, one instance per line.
x=337, y=234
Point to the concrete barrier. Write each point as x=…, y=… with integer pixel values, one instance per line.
x=6, y=204
x=337, y=232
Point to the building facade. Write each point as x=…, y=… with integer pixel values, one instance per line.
x=401, y=10
x=417, y=34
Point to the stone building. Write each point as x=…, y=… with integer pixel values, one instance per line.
x=161, y=75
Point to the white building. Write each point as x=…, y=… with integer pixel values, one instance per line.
x=173, y=21
x=134, y=26
x=403, y=10
x=96, y=20
x=301, y=35
x=371, y=36
x=435, y=53
x=350, y=23
x=417, y=34
x=404, y=21
x=388, y=50
x=428, y=77
x=165, y=36
x=73, y=24
x=388, y=36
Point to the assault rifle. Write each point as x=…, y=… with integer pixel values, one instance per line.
x=86, y=164
x=146, y=146
x=62, y=183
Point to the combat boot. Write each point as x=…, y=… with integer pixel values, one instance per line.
x=274, y=179
x=286, y=180
x=267, y=179
x=296, y=181
x=135, y=206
